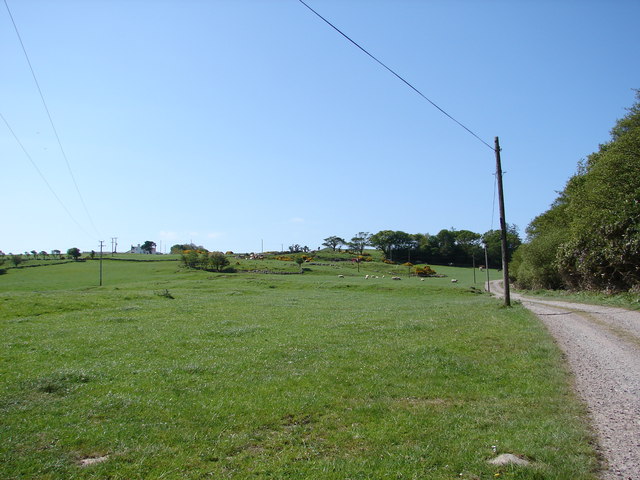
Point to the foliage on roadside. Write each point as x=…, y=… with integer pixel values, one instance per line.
x=590, y=237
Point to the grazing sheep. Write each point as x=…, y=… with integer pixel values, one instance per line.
x=422, y=279
x=366, y=277
x=396, y=278
x=454, y=280
x=340, y=276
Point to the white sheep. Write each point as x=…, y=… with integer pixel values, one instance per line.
x=366, y=277
x=396, y=278
x=454, y=280
x=340, y=276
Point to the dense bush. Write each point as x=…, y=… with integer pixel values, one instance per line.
x=590, y=238
x=425, y=271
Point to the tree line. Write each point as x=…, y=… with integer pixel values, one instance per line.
x=589, y=239
x=447, y=247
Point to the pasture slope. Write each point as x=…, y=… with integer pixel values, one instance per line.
x=176, y=374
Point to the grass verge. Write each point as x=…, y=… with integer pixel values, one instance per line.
x=272, y=376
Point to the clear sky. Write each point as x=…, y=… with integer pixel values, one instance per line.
x=238, y=124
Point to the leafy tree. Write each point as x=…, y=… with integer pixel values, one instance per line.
x=190, y=258
x=334, y=242
x=590, y=237
x=299, y=260
x=603, y=249
x=493, y=241
x=383, y=241
x=148, y=246
x=34, y=254
x=359, y=242
x=56, y=253
x=388, y=240
x=44, y=255
x=446, y=241
x=534, y=264
x=16, y=260
x=469, y=241
x=218, y=260
x=74, y=252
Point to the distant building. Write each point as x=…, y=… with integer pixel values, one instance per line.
x=139, y=249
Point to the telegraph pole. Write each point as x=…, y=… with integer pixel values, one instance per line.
x=503, y=228
x=473, y=255
x=486, y=267
x=101, y=245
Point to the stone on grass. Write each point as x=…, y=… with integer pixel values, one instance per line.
x=85, y=462
x=508, y=459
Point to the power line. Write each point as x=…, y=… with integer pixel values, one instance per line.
x=42, y=176
x=395, y=74
x=55, y=131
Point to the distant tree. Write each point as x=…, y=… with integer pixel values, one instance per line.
x=34, y=254
x=468, y=244
x=148, y=246
x=218, y=260
x=56, y=253
x=190, y=258
x=359, y=242
x=16, y=260
x=92, y=254
x=299, y=260
x=388, y=240
x=334, y=242
x=182, y=247
x=74, y=252
x=44, y=255
x=295, y=248
x=383, y=241
x=493, y=241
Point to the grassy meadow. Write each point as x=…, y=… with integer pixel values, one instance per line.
x=168, y=373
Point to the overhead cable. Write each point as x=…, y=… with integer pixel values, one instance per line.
x=46, y=108
x=395, y=74
x=42, y=176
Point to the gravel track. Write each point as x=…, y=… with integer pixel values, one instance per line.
x=602, y=348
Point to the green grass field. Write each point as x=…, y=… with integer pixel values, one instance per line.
x=247, y=375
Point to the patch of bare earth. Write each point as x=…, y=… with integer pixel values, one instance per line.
x=602, y=347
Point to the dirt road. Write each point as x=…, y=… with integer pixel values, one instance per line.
x=602, y=346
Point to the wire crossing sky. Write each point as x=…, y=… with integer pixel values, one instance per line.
x=241, y=124
x=44, y=179
x=53, y=127
x=395, y=74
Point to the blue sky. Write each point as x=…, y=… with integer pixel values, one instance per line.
x=242, y=124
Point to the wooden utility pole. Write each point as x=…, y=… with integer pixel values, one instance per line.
x=101, y=245
x=473, y=255
x=503, y=228
x=486, y=267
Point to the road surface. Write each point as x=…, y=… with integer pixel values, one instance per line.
x=602, y=346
